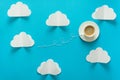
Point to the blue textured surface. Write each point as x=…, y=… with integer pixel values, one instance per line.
x=21, y=64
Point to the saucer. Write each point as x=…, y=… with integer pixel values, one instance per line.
x=81, y=31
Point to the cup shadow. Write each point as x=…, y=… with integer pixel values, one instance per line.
x=90, y=44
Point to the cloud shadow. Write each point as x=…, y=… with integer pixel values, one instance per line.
x=51, y=29
x=14, y=50
x=52, y=77
x=25, y=18
x=55, y=77
x=64, y=28
x=106, y=66
x=113, y=22
x=28, y=49
x=43, y=77
x=12, y=20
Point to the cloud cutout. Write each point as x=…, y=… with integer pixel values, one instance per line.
x=57, y=19
x=19, y=10
x=49, y=67
x=98, y=56
x=104, y=13
x=22, y=40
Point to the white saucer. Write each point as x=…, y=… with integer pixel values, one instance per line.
x=81, y=31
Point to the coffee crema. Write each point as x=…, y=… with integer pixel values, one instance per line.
x=89, y=30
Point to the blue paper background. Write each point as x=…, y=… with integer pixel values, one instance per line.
x=21, y=64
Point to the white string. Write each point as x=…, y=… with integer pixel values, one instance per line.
x=60, y=44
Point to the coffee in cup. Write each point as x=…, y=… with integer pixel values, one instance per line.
x=89, y=31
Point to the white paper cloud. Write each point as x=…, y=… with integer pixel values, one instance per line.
x=58, y=19
x=22, y=40
x=98, y=56
x=50, y=67
x=19, y=10
x=104, y=13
